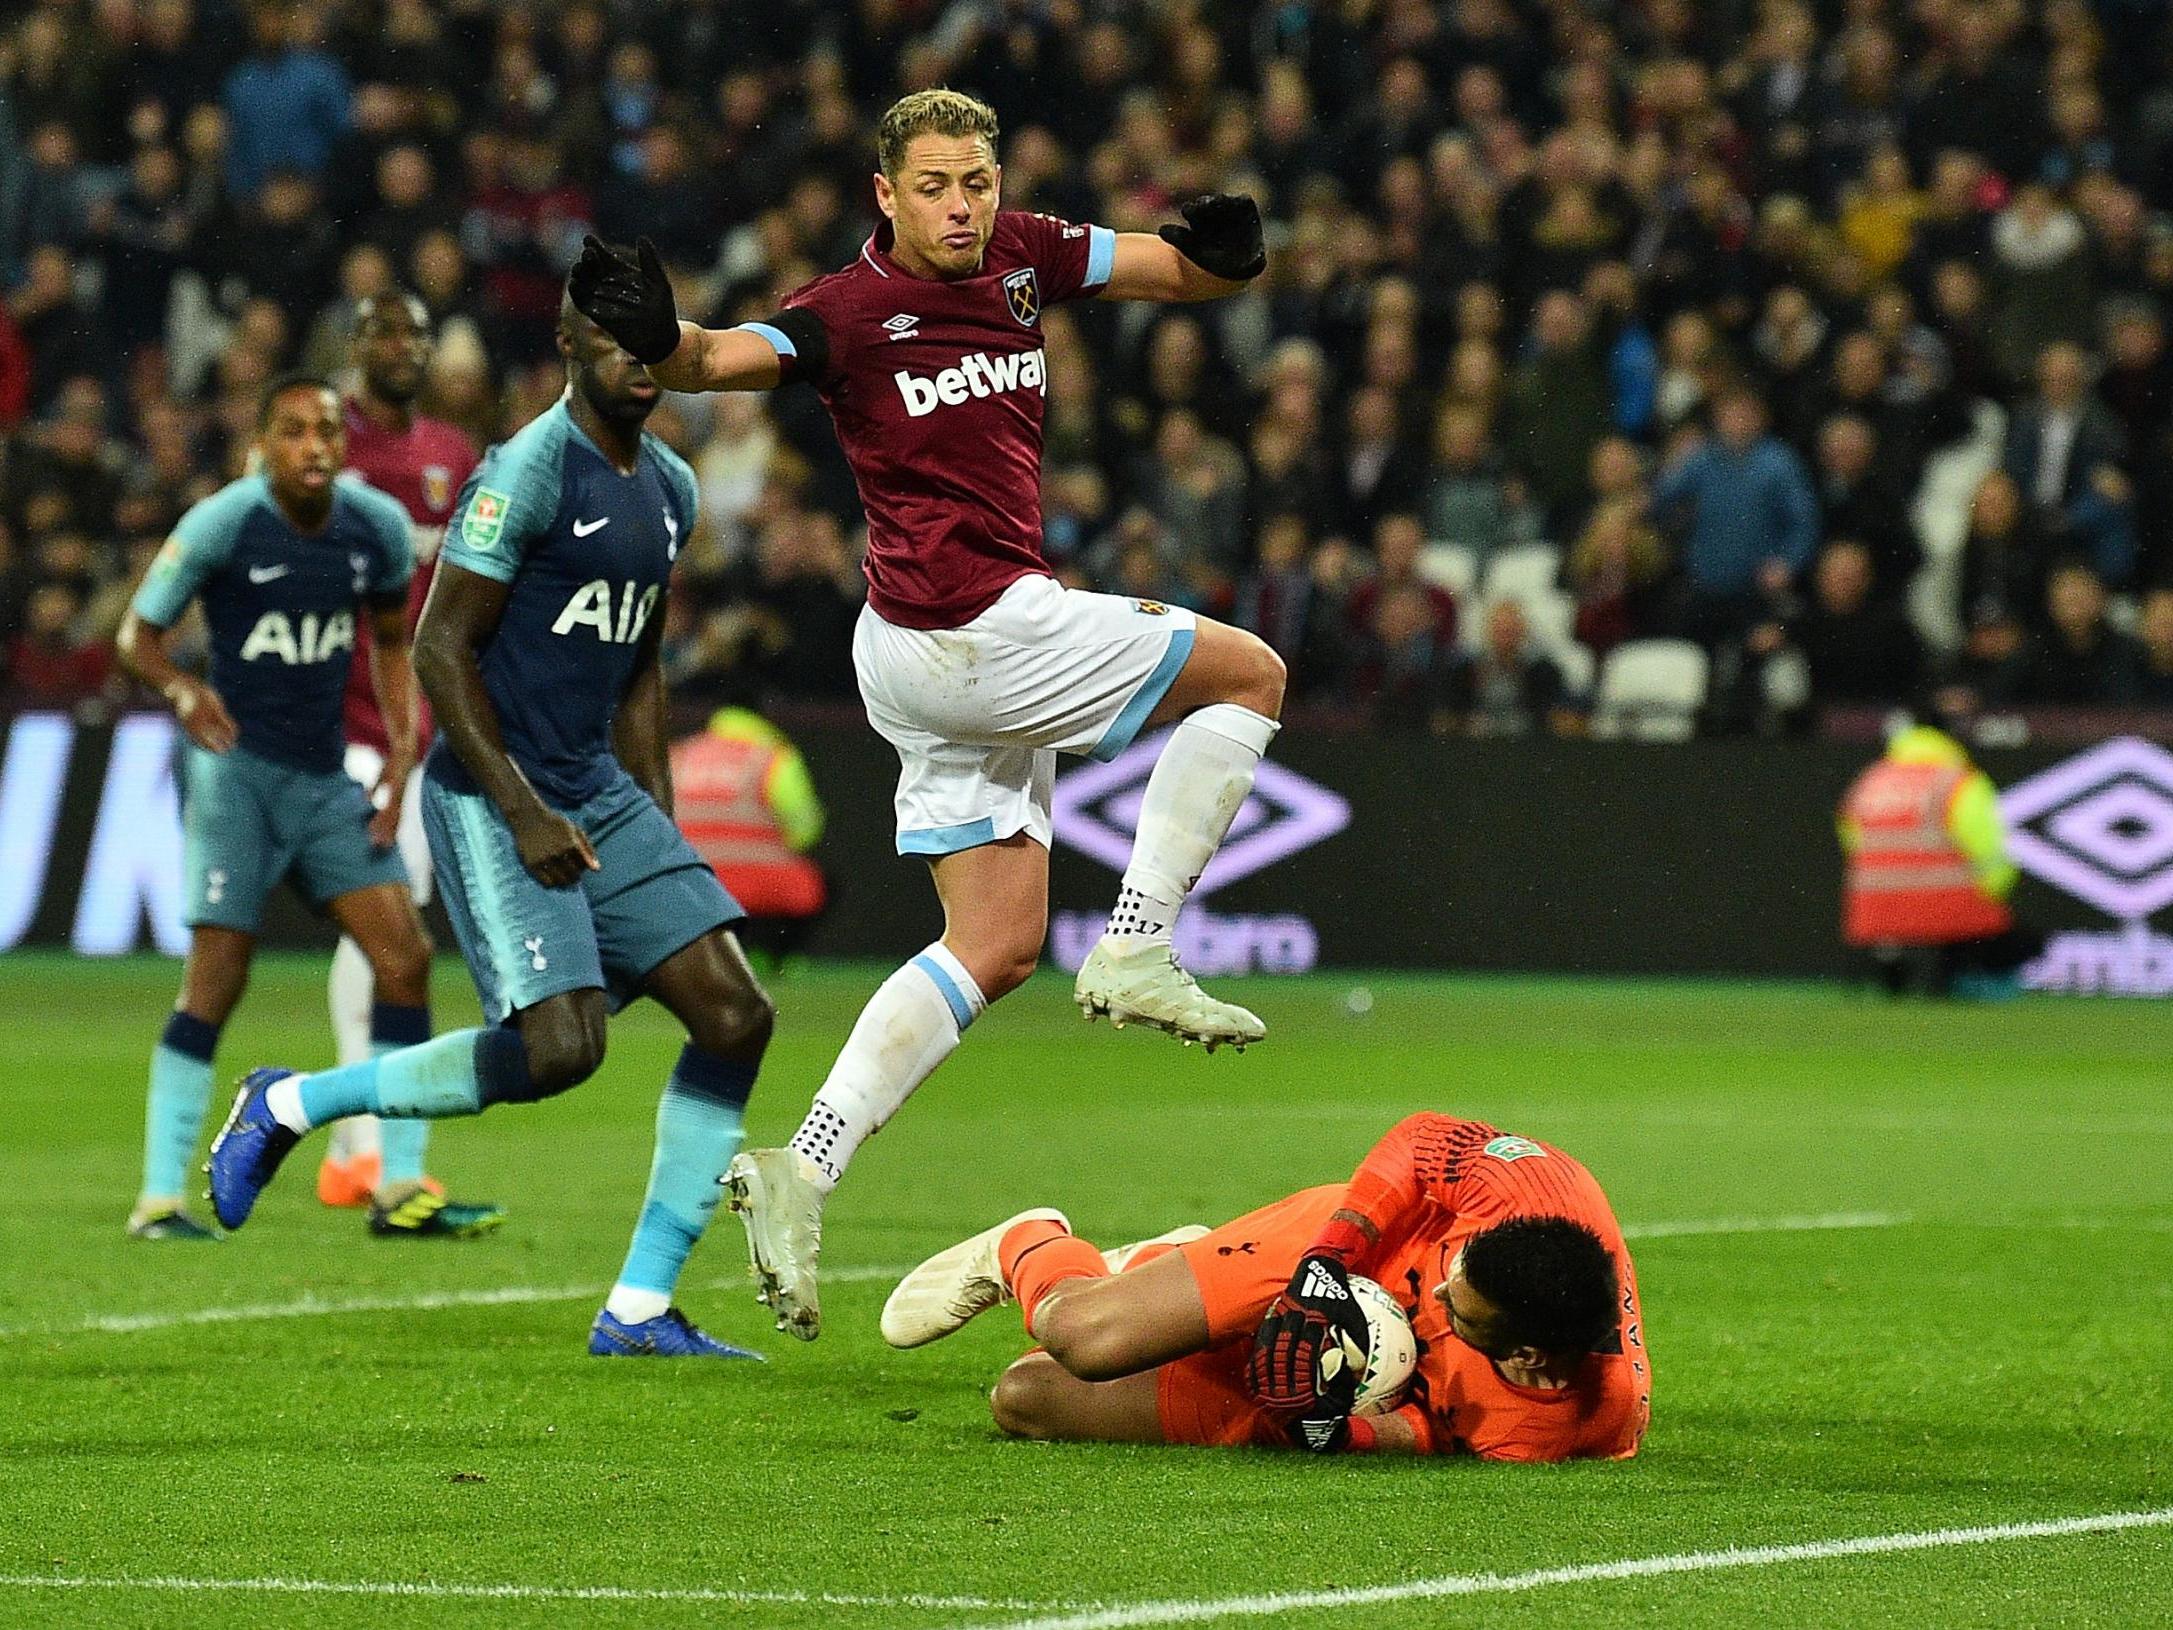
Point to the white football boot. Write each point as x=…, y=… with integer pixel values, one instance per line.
x=953, y=1286
x=775, y=1194
x=1119, y=1257
x=1141, y=983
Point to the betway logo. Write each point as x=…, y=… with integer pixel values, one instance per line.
x=977, y=375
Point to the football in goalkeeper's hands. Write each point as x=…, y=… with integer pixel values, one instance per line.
x=1392, y=1350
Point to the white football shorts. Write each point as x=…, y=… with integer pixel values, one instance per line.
x=365, y=764
x=979, y=713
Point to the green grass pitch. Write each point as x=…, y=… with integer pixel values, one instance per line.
x=1989, y=1343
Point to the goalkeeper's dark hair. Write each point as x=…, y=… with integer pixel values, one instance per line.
x=297, y=379
x=937, y=112
x=1552, y=1279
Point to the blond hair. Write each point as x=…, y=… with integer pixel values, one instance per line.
x=939, y=112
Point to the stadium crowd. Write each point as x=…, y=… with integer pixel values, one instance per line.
x=1831, y=335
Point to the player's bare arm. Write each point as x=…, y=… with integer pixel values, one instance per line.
x=458, y=620
x=202, y=715
x=1215, y=253
x=392, y=678
x=639, y=735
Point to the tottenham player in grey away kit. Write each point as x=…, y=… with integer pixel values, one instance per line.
x=973, y=662
x=547, y=798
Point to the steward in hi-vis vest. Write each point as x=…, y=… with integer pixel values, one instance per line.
x=1927, y=855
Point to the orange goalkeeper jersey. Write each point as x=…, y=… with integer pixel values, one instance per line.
x=1427, y=1187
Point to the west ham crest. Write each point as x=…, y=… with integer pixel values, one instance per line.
x=437, y=487
x=1023, y=290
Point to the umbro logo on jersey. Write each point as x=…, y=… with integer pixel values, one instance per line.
x=582, y=529
x=977, y=375
x=903, y=326
x=268, y=574
x=1321, y=1283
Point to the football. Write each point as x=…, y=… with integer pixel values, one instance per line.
x=1392, y=1350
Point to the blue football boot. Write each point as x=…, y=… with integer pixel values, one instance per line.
x=248, y=1149
x=671, y=1334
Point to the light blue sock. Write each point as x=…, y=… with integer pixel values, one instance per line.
x=458, y=1073
x=174, y=1108
x=697, y=1134
x=402, y=1143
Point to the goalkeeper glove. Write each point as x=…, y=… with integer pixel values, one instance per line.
x=1311, y=1350
x=1221, y=235
x=628, y=297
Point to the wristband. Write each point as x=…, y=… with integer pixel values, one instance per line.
x=1341, y=1239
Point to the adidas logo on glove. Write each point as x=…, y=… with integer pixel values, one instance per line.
x=1320, y=1282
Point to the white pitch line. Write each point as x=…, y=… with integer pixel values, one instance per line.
x=316, y=1307
x=1812, y=1223
x=1642, y=1567
x=512, y=1593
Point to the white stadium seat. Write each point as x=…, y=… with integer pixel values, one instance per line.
x=1651, y=690
x=1450, y=566
x=1524, y=573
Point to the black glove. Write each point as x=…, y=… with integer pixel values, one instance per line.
x=628, y=297
x=1222, y=235
x=1321, y=1434
x=1311, y=1350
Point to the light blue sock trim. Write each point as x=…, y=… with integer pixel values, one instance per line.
x=1146, y=699
x=949, y=840
x=173, y=1119
x=961, y=1009
x=696, y=1138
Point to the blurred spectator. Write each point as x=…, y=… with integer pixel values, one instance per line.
x=1471, y=500
x=1856, y=500
x=2044, y=289
x=2064, y=450
x=47, y=666
x=1398, y=542
x=2079, y=659
x=1195, y=486
x=1404, y=670
x=1617, y=571
x=286, y=103
x=1282, y=601
x=1752, y=521
x=2154, y=632
x=2004, y=557
x=1509, y=687
x=1557, y=407
x=1375, y=470
x=1854, y=637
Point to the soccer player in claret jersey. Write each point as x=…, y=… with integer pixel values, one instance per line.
x=547, y=796
x=973, y=662
x=285, y=563
x=420, y=462
x=1503, y=1251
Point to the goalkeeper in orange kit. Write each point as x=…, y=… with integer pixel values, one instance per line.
x=1503, y=1252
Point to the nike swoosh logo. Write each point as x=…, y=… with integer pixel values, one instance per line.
x=265, y=574
x=582, y=529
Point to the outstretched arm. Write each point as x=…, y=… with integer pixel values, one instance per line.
x=630, y=298
x=1218, y=249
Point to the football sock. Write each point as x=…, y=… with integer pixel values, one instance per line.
x=174, y=1108
x=910, y=1025
x=697, y=1134
x=1199, y=783
x=349, y=992
x=457, y=1073
x=1040, y=1255
x=403, y=1142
